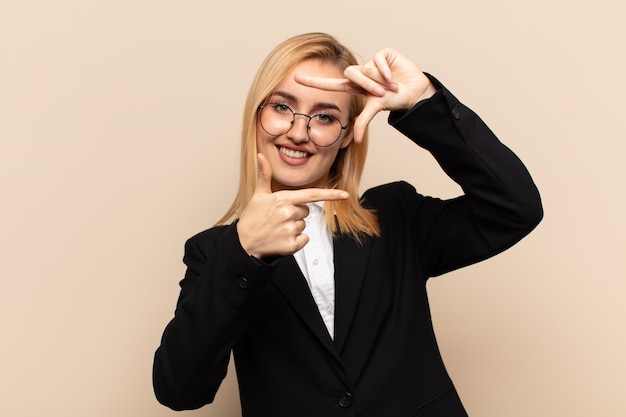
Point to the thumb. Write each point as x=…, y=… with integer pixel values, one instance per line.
x=372, y=108
x=264, y=183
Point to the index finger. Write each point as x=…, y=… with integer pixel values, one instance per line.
x=325, y=83
x=311, y=195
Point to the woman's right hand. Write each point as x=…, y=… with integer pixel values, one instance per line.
x=272, y=223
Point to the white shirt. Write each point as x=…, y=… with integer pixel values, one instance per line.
x=315, y=260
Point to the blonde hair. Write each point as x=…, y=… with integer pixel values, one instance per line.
x=346, y=216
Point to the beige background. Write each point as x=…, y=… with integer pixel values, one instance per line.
x=119, y=127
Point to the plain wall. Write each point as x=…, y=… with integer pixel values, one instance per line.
x=119, y=139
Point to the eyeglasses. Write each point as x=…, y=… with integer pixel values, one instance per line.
x=322, y=129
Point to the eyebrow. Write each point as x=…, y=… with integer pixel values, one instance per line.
x=319, y=105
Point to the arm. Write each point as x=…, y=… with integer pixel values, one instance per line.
x=213, y=310
x=500, y=204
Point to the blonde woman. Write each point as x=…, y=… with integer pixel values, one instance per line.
x=320, y=293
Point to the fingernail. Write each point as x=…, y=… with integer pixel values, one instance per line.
x=379, y=91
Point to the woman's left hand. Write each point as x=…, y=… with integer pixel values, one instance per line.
x=389, y=81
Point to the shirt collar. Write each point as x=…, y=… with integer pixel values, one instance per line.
x=315, y=208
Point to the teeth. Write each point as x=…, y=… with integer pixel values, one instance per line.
x=293, y=154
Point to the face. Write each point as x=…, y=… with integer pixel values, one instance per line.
x=295, y=161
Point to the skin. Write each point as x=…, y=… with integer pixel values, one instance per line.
x=273, y=221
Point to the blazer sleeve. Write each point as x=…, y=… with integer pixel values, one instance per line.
x=501, y=203
x=213, y=309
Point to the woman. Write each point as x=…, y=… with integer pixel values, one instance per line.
x=320, y=294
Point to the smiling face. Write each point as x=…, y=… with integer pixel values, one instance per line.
x=295, y=161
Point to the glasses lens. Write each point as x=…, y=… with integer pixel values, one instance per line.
x=276, y=118
x=324, y=129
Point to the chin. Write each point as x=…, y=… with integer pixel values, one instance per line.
x=294, y=184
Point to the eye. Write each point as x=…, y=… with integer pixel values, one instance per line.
x=280, y=108
x=325, y=118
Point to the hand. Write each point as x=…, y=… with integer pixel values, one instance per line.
x=389, y=81
x=272, y=223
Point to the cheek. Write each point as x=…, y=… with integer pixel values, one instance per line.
x=329, y=158
x=262, y=138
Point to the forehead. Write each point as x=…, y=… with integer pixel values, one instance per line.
x=310, y=95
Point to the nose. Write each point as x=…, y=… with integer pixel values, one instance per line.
x=299, y=131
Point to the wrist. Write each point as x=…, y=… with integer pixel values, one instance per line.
x=428, y=93
x=246, y=243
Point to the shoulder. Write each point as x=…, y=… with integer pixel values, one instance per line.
x=399, y=203
x=209, y=234
x=388, y=194
x=208, y=239
x=394, y=203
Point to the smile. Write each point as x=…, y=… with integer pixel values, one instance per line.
x=293, y=153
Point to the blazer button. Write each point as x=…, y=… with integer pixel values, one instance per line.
x=345, y=400
x=243, y=283
x=455, y=112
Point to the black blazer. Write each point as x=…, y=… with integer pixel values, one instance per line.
x=384, y=360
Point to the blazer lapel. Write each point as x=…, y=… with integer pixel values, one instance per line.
x=289, y=280
x=350, y=266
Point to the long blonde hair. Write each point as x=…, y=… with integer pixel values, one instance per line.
x=346, y=216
